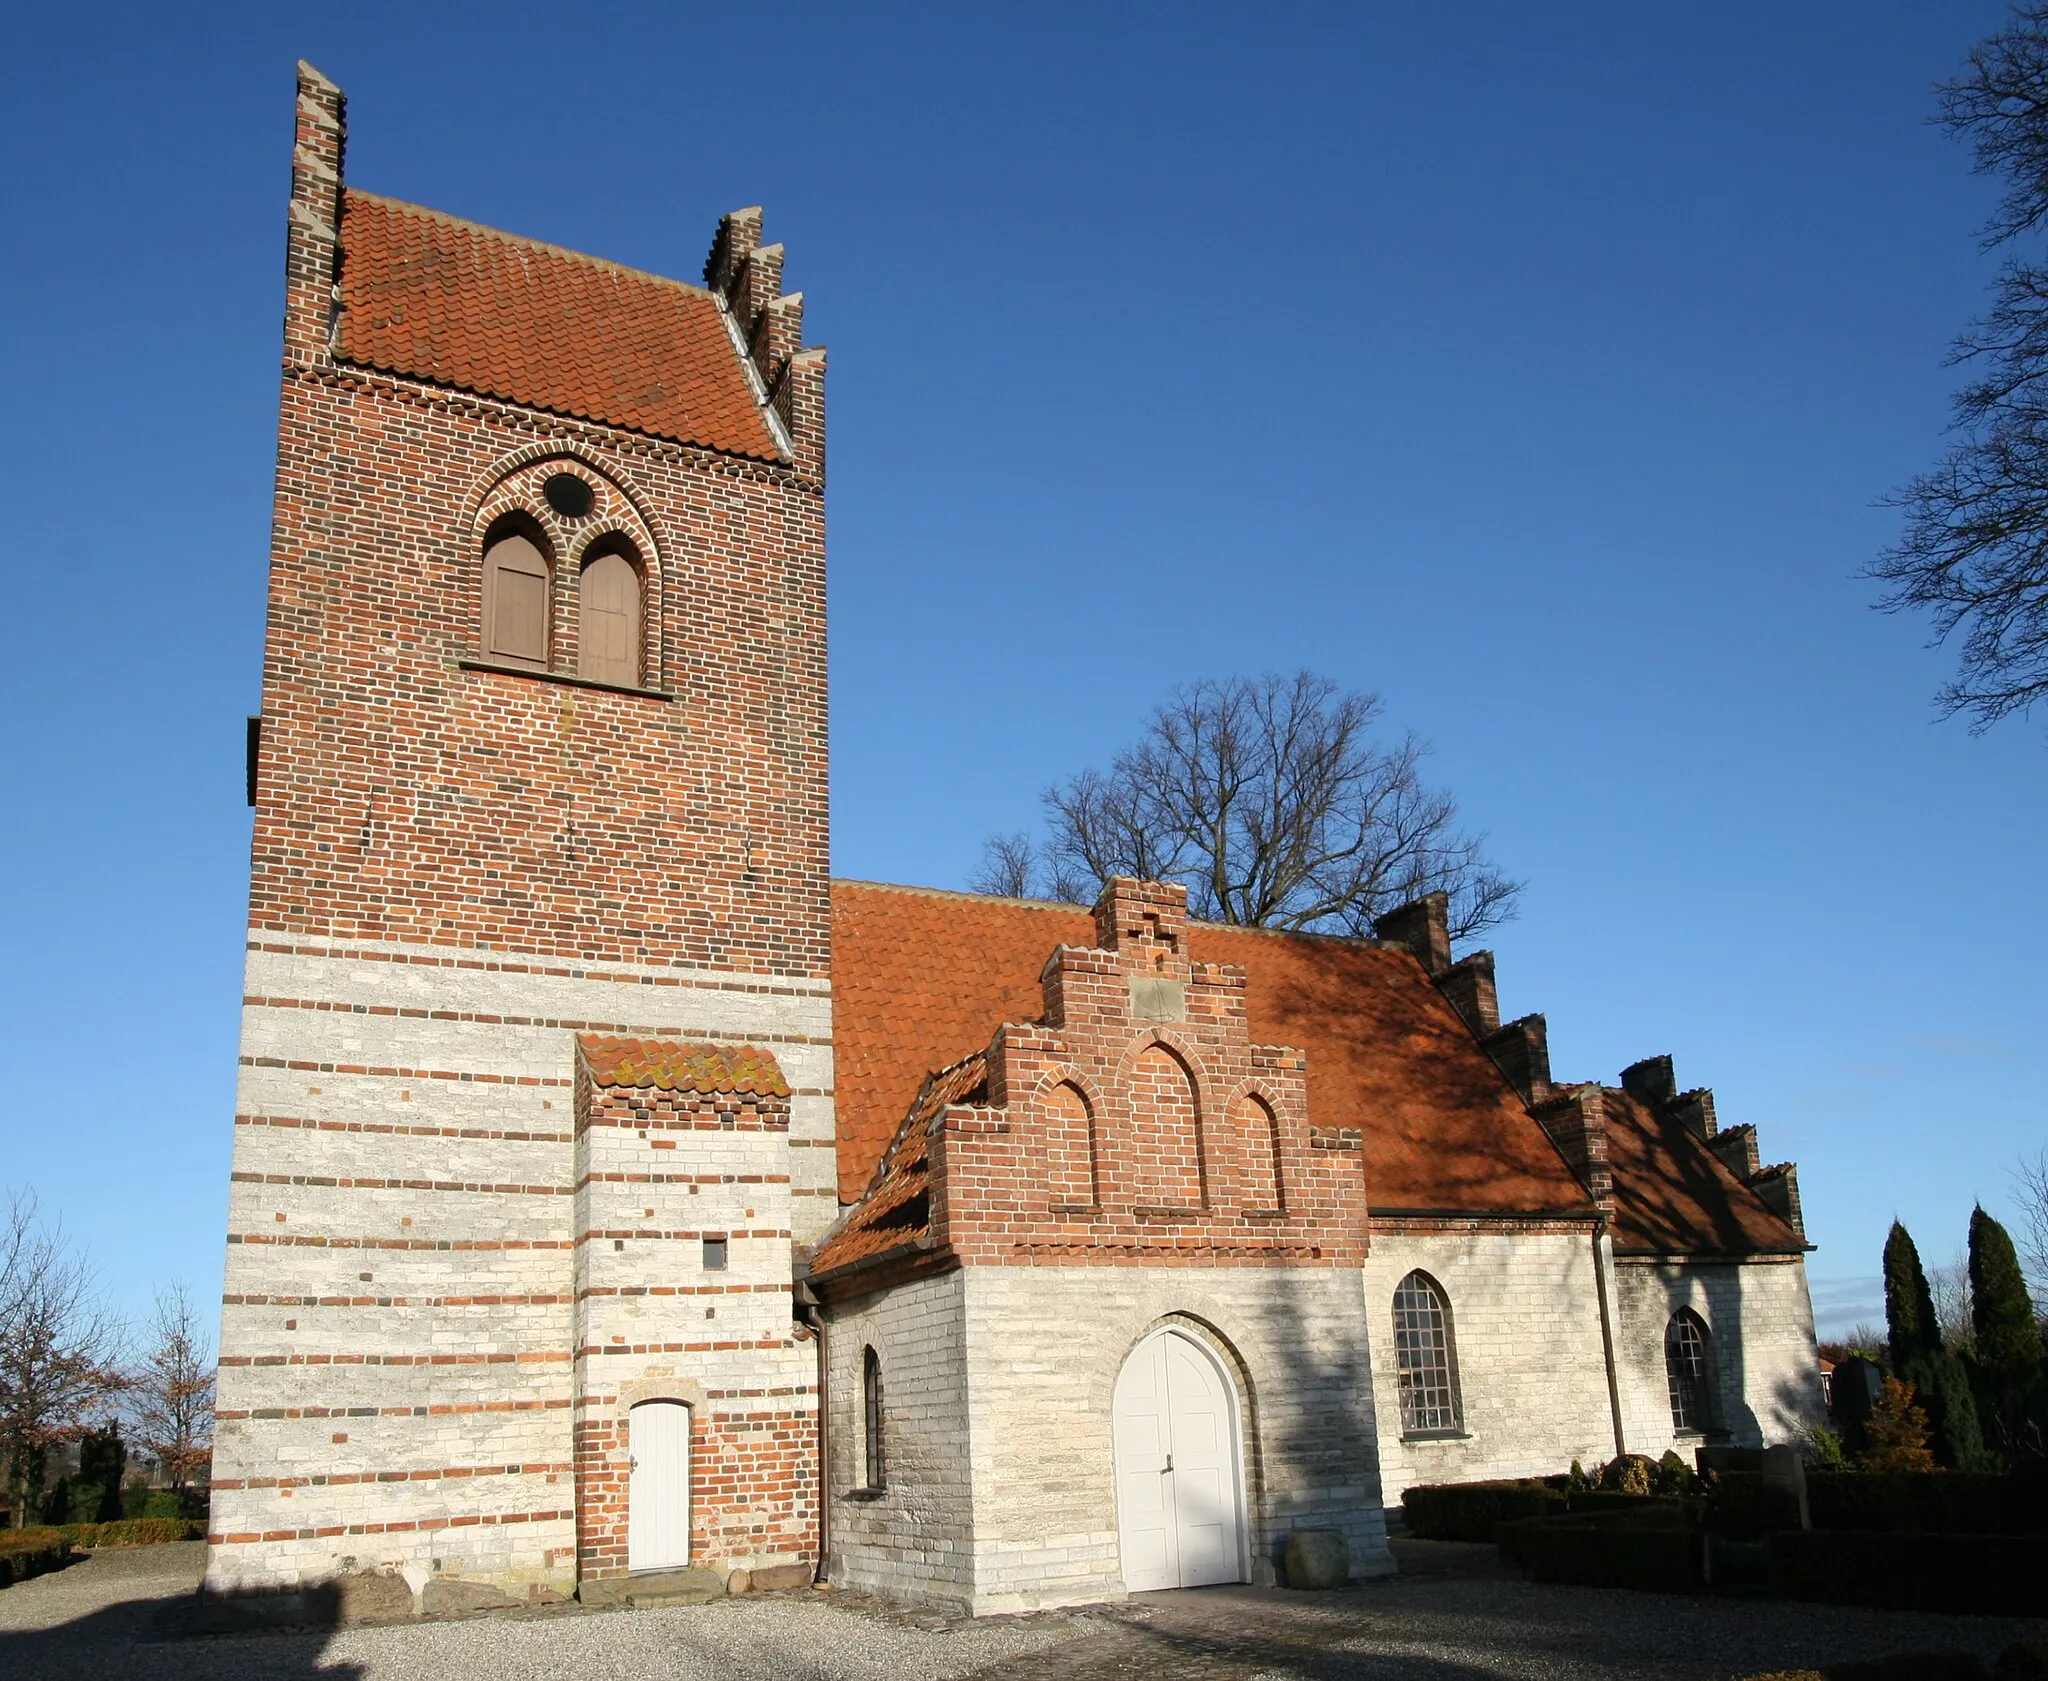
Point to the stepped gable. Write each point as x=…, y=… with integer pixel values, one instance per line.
x=919, y=975
x=462, y=305
x=1672, y=1195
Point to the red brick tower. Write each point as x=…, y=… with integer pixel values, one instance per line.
x=542, y=771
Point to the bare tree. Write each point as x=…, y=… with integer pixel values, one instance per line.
x=1009, y=865
x=2030, y=1179
x=1950, y=1287
x=1271, y=799
x=170, y=1396
x=59, y=1348
x=1975, y=550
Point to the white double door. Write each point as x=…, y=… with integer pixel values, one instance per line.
x=658, y=1495
x=1180, y=1510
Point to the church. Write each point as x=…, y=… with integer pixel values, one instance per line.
x=615, y=1192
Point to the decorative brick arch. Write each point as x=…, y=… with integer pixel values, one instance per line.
x=1253, y=1163
x=1077, y=1183
x=513, y=486
x=1169, y=1177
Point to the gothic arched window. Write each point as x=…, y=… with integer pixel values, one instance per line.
x=608, y=620
x=516, y=601
x=1422, y=1352
x=871, y=1420
x=1688, y=1366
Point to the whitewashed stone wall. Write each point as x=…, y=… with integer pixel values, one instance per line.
x=405, y=1112
x=914, y=1541
x=1029, y=1519
x=1766, y=1369
x=1530, y=1362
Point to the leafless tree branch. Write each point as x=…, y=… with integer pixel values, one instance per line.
x=1273, y=802
x=60, y=1348
x=170, y=1395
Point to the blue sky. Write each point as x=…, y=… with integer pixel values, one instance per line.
x=1541, y=368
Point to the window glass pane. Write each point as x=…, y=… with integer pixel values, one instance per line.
x=1422, y=1352
x=1685, y=1367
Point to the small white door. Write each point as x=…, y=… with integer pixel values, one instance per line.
x=1179, y=1510
x=658, y=1496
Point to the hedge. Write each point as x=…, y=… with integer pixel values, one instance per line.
x=132, y=1532
x=1953, y=1502
x=1654, y=1549
x=1475, y=1511
x=31, y=1552
x=1899, y=1571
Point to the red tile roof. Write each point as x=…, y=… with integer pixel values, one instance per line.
x=921, y=976
x=896, y=1212
x=1674, y=1195
x=669, y=1065
x=463, y=305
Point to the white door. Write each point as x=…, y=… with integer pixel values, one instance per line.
x=1179, y=1515
x=658, y=1497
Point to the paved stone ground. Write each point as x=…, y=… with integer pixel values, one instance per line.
x=1454, y=1615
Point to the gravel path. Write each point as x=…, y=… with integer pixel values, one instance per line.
x=1453, y=1616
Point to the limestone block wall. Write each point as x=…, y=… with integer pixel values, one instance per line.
x=398, y=1318
x=913, y=1539
x=1766, y=1369
x=1527, y=1355
x=1044, y=1347
x=658, y=1172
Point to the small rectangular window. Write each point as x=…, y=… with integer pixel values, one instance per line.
x=714, y=1254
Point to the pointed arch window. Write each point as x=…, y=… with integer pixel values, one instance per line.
x=1689, y=1369
x=516, y=579
x=1422, y=1354
x=874, y=1466
x=608, y=620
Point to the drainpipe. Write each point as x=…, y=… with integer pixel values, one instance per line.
x=816, y=1320
x=1603, y=1267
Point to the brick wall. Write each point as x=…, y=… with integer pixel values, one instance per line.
x=454, y=872
x=1138, y=1125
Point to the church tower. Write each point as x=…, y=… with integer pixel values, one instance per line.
x=536, y=1068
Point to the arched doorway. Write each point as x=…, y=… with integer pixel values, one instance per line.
x=658, y=1495
x=1179, y=1476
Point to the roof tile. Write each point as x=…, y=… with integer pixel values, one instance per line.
x=670, y=1065
x=467, y=306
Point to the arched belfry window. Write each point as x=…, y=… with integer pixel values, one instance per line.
x=608, y=620
x=1689, y=1368
x=874, y=1467
x=516, y=600
x=1422, y=1353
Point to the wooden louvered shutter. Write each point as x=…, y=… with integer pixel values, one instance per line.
x=516, y=602
x=608, y=637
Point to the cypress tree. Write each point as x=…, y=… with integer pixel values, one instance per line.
x=1908, y=1303
x=2007, y=1358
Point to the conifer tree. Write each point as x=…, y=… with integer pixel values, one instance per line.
x=1919, y=1359
x=1908, y=1303
x=2007, y=1358
x=1898, y=1431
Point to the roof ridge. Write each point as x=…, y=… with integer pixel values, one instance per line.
x=1360, y=941
x=549, y=246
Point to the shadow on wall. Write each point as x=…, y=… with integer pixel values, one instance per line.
x=1317, y=1425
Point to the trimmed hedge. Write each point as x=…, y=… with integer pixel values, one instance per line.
x=1475, y=1511
x=132, y=1532
x=1654, y=1549
x=1902, y=1571
x=1953, y=1502
x=31, y=1552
